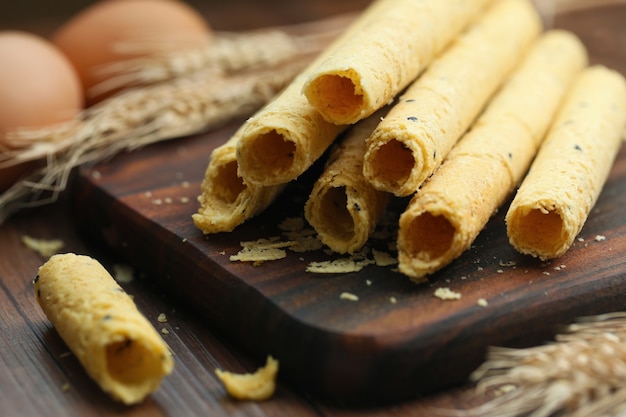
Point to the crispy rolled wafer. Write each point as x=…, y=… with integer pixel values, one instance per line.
x=375, y=64
x=284, y=138
x=449, y=211
x=99, y=322
x=343, y=207
x=435, y=111
x=226, y=200
x=571, y=167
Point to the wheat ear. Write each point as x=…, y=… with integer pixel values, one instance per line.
x=133, y=119
x=224, y=53
x=581, y=373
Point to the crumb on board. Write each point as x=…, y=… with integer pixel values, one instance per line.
x=482, y=302
x=348, y=296
x=165, y=331
x=45, y=247
x=337, y=266
x=256, y=386
x=445, y=293
x=383, y=258
x=123, y=273
x=162, y=318
x=599, y=238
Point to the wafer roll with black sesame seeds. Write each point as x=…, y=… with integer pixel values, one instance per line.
x=226, y=200
x=343, y=207
x=285, y=138
x=444, y=218
x=99, y=322
x=571, y=167
x=437, y=109
x=368, y=70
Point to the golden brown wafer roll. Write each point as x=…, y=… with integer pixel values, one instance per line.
x=435, y=111
x=375, y=64
x=99, y=322
x=284, y=138
x=449, y=211
x=343, y=207
x=226, y=200
x=571, y=167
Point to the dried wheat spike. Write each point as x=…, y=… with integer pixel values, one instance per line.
x=581, y=373
x=135, y=118
x=225, y=53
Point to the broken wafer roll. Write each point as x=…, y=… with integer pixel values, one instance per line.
x=368, y=70
x=571, y=167
x=99, y=322
x=285, y=137
x=444, y=218
x=343, y=207
x=226, y=200
x=437, y=109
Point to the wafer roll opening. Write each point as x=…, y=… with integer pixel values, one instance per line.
x=440, y=234
x=539, y=231
x=335, y=219
x=131, y=362
x=338, y=94
x=270, y=149
x=392, y=162
x=228, y=185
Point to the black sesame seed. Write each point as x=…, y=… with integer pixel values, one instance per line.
x=36, y=280
x=410, y=100
x=510, y=155
x=578, y=148
x=412, y=118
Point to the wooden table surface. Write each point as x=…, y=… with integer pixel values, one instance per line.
x=38, y=376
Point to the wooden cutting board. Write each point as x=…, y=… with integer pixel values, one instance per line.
x=398, y=340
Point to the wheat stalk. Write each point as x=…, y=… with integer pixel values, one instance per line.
x=581, y=373
x=224, y=53
x=189, y=99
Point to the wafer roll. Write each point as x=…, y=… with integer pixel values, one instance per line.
x=285, y=137
x=571, y=167
x=436, y=110
x=226, y=200
x=343, y=207
x=374, y=65
x=99, y=322
x=444, y=218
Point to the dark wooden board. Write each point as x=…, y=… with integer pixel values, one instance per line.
x=371, y=350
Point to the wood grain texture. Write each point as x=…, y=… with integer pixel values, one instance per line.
x=370, y=350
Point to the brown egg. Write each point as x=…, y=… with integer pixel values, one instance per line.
x=92, y=38
x=38, y=85
x=38, y=88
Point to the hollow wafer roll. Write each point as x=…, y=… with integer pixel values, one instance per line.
x=285, y=137
x=571, y=167
x=99, y=322
x=374, y=65
x=449, y=211
x=436, y=110
x=226, y=200
x=343, y=207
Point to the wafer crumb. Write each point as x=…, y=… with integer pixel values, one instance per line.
x=45, y=247
x=123, y=273
x=482, y=302
x=348, y=296
x=256, y=386
x=445, y=293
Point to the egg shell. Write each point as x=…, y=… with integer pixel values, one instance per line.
x=38, y=85
x=92, y=39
